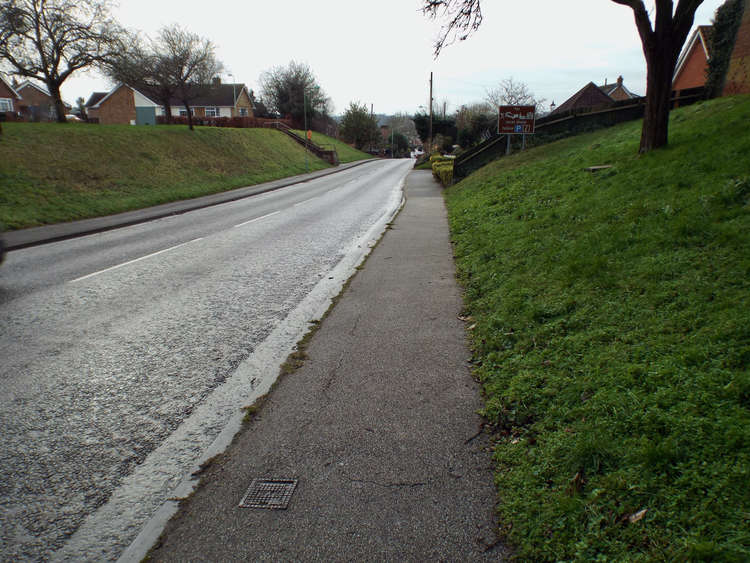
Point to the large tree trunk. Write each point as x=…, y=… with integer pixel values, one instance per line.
x=660, y=66
x=661, y=47
x=189, y=116
x=167, y=110
x=54, y=90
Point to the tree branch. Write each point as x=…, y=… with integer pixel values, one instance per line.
x=642, y=23
x=466, y=17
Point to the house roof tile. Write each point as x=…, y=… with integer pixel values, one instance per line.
x=10, y=86
x=588, y=96
x=95, y=98
x=610, y=88
x=221, y=95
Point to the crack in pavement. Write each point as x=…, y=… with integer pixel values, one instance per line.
x=401, y=485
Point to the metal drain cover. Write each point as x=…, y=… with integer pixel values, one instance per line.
x=269, y=493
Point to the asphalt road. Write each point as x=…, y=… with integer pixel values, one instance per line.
x=126, y=354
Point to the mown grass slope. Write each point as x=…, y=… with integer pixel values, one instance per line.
x=345, y=152
x=51, y=173
x=612, y=339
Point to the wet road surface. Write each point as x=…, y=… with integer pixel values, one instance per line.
x=125, y=354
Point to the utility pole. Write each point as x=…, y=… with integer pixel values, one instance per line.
x=429, y=147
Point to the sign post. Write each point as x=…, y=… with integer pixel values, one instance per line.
x=516, y=120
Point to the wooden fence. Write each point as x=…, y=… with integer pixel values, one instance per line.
x=239, y=122
x=559, y=125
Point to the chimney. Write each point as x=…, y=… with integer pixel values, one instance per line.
x=216, y=81
x=619, y=80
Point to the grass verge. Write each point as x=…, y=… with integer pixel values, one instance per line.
x=345, y=152
x=612, y=338
x=51, y=173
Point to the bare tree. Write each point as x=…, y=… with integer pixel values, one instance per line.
x=463, y=16
x=662, y=43
x=144, y=66
x=512, y=93
x=403, y=123
x=49, y=40
x=189, y=61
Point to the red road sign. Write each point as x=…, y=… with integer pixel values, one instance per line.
x=517, y=119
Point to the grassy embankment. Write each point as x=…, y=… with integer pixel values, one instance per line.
x=345, y=152
x=612, y=338
x=51, y=173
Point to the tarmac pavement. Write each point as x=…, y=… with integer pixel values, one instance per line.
x=378, y=427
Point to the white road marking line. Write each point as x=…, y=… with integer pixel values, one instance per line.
x=304, y=201
x=135, y=260
x=256, y=219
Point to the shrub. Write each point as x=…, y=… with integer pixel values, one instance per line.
x=442, y=169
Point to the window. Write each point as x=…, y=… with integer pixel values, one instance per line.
x=212, y=112
x=6, y=104
x=183, y=112
x=243, y=112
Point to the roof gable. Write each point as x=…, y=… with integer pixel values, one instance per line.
x=617, y=88
x=97, y=103
x=588, y=96
x=608, y=88
x=95, y=98
x=701, y=37
x=29, y=84
x=10, y=87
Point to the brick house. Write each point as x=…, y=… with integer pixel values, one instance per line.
x=122, y=105
x=617, y=90
x=738, y=75
x=590, y=96
x=9, y=97
x=36, y=103
x=595, y=97
x=217, y=100
x=690, y=71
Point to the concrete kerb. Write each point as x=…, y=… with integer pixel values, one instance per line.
x=34, y=236
x=142, y=546
x=229, y=473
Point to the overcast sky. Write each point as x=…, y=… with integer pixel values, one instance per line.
x=380, y=51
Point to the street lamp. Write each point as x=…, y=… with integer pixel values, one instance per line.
x=234, y=95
